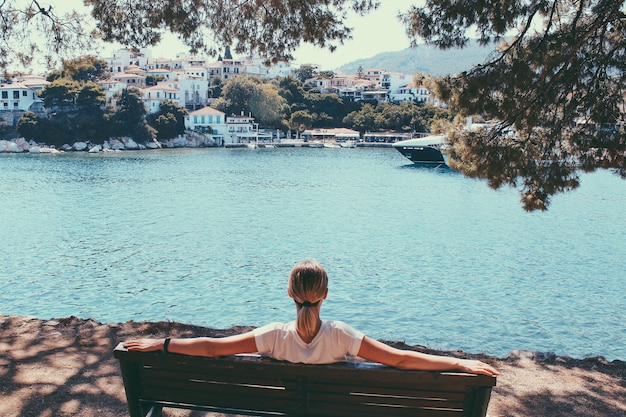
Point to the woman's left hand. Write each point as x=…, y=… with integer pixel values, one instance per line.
x=145, y=345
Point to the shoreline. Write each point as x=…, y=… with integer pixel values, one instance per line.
x=65, y=367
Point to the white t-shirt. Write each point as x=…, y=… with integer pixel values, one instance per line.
x=331, y=344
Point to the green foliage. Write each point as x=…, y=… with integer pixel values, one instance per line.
x=90, y=94
x=27, y=126
x=169, y=121
x=129, y=117
x=305, y=72
x=61, y=93
x=252, y=95
x=154, y=79
x=34, y=30
x=86, y=68
x=300, y=121
x=215, y=87
x=558, y=83
x=404, y=117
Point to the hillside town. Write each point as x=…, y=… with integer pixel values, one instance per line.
x=186, y=81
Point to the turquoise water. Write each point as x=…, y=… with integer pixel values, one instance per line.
x=208, y=237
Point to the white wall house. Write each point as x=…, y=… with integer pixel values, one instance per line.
x=324, y=85
x=281, y=69
x=131, y=80
x=152, y=97
x=122, y=58
x=208, y=119
x=194, y=91
x=410, y=92
x=111, y=88
x=393, y=81
x=19, y=97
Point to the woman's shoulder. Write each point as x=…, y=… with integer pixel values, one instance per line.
x=274, y=326
x=338, y=325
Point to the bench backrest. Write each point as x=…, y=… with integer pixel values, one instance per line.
x=258, y=386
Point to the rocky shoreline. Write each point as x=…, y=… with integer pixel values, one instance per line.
x=65, y=367
x=190, y=140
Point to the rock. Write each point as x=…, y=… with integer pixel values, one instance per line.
x=95, y=149
x=79, y=146
x=130, y=144
x=23, y=144
x=153, y=145
x=66, y=147
x=117, y=145
x=35, y=149
x=13, y=148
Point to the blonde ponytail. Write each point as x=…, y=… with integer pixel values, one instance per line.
x=308, y=282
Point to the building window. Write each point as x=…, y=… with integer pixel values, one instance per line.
x=5, y=94
x=25, y=93
x=16, y=95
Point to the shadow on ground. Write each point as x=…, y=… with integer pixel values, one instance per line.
x=65, y=367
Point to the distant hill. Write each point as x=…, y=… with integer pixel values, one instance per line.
x=424, y=58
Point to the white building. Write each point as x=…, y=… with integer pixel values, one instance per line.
x=111, y=88
x=152, y=97
x=393, y=81
x=210, y=121
x=124, y=57
x=131, y=80
x=410, y=92
x=19, y=97
x=194, y=91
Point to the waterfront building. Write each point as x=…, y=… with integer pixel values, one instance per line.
x=243, y=129
x=330, y=135
x=210, y=121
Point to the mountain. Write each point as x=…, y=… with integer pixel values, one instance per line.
x=424, y=58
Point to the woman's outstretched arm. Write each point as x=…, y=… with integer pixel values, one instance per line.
x=199, y=346
x=375, y=351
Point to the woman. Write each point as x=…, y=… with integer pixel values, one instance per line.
x=309, y=339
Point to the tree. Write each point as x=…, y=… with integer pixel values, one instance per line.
x=61, y=93
x=35, y=30
x=129, y=117
x=86, y=68
x=557, y=82
x=169, y=121
x=27, y=126
x=252, y=95
x=300, y=121
x=271, y=29
x=362, y=120
x=267, y=105
x=90, y=94
x=305, y=72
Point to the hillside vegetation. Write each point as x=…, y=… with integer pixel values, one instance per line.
x=425, y=58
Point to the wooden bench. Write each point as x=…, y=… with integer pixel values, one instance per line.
x=258, y=386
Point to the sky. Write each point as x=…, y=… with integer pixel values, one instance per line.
x=378, y=31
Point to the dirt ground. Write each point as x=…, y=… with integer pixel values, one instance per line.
x=65, y=367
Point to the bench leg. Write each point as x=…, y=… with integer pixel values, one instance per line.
x=155, y=411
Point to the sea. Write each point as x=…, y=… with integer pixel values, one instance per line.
x=415, y=254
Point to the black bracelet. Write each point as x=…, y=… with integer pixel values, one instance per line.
x=166, y=343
